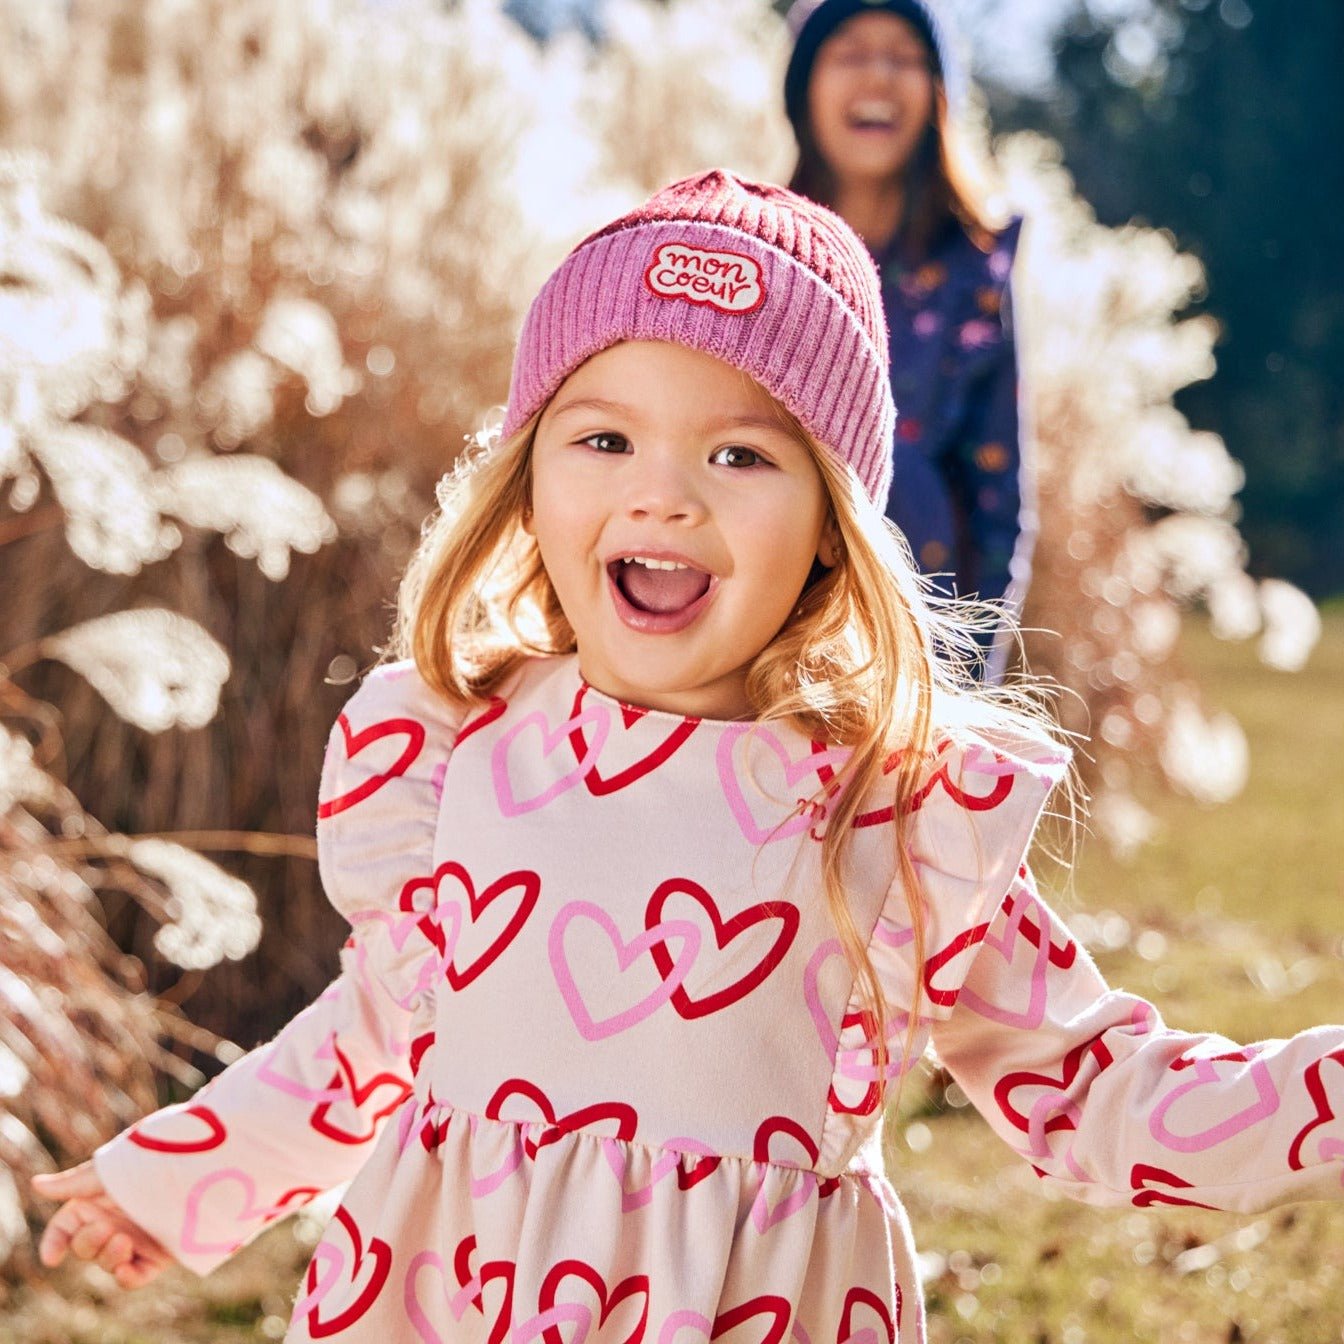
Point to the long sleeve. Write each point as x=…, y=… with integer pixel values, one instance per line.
x=1091, y=1087
x=300, y=1114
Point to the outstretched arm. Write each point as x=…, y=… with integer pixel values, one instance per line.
x=300, y=1114
x=1104, y=1100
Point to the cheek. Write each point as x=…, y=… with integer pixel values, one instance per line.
x=826, y=98
x=919, y=106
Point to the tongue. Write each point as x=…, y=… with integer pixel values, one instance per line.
x=662, y=590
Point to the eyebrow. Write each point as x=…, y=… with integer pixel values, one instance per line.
x=715, y=426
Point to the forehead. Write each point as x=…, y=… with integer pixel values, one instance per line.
x=654, y=373
x=879, y=27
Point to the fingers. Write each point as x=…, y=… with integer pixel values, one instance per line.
x=90, y=1226
x=66, y=1224
x=118, y=1250
x=79, y=1182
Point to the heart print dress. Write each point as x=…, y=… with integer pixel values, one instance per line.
x=595, y=1065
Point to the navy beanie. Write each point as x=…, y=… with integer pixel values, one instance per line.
x=813, y=21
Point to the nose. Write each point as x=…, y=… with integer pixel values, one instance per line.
x=659, y=487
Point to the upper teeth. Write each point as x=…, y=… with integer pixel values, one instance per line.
x=874, y=111
x=649, y=563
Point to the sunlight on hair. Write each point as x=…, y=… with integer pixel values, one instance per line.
x=157, y=670
x=212, y=915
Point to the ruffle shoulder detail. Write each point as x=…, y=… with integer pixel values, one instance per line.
x=378, y=811
x=971, y=823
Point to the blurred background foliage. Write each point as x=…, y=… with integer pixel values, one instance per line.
x=260, y=271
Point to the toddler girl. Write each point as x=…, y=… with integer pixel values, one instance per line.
x=678, y=838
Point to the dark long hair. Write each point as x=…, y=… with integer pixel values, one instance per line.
x=938, y=190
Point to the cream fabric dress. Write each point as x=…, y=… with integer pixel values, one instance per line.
x=595, y=1062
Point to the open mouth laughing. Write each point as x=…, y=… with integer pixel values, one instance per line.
x=658, y=594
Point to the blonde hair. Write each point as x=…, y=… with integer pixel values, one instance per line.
x=869, y=659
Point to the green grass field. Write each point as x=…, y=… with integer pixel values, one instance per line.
x=1243, y=911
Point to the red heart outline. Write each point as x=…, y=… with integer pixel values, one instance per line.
x=491, y=1270
x=494, y=709
x=214, y=1139
x=781, y=1124
x=298, y=1196
x=358, y=1094
x=1061, y=955
x=476, y=903
x=1324, y=1111
x=872, y=1097
x=1146, y=1180
x=382, y=1258
x=704, y=1166
x=609, y=1298
x=597, y=784
x=433, y=1135
x=1072, y=1064
x=966, y=939
x=777, y=1307
x=971, y=802
x=627, y=1120
x=356, y=742
x=867, y=1297
x=878, y=816
x=419, y=1046
x=724, y=933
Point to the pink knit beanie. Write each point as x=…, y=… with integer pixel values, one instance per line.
x=750, y=273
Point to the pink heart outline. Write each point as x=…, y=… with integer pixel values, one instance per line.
x=552, y=739
x=457, y=1303
x=1005, y=945
x=250, y=1213
x=666, y=1164
x=336, y=1258
x=626, y=955
x=563, y=1313
x=1266, y=1104
x=684, y=1320
x=765, y=1216
x=487, y=1185
x=797, y=821
x=826, y=1033
x=300, y=1091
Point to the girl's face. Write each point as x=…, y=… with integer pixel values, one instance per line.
x=871, y=97
x=678, y=519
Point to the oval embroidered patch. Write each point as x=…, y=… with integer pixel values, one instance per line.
x=729, y=281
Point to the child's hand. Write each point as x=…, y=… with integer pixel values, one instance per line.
x=90, y=1225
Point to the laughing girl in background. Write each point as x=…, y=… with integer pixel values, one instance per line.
x=672, y=842
x=871, y=90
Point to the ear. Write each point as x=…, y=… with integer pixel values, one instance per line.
x=830, y=549
x=526, y=520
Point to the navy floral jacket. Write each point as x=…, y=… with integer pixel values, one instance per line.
x=961, y=489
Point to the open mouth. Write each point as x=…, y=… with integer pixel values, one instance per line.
x=658, y=594
x=872, y=114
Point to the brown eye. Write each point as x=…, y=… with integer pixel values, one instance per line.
x=608, y=443
x=735, y=455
